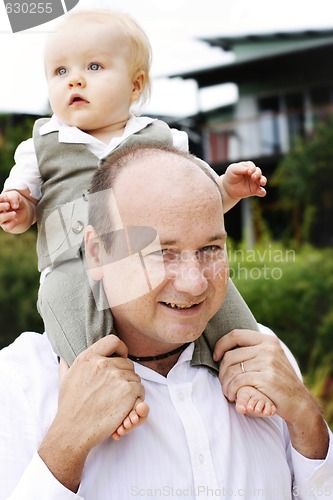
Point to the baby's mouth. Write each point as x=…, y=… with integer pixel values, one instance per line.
x=77, y=98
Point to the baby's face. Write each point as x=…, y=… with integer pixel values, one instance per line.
x=88, y=75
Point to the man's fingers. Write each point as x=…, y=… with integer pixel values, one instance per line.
x=111, y=344
x=236, y=338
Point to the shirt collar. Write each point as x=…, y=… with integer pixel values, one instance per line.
x=148, y=374
x=75, y=135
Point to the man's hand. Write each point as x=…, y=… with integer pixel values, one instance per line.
x=96, y=394
x=261, y=362
x=17, y=212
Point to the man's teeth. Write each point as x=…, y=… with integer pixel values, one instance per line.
x=177, y=306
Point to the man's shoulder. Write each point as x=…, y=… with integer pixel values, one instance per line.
x=30, y=354
x=265, y=329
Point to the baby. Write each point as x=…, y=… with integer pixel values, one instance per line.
x=97, y=66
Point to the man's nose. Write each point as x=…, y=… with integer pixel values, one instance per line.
x=188, y=276
x=76, y=80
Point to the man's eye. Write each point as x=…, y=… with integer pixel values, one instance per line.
x=165, y=253
x=61, y=71
x=211, y=252
x=211, y=248
x=94, y=66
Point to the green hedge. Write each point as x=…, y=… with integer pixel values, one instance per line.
x=19, y=280
x=292, y=293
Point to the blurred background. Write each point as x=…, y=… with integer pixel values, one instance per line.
x=246, y=81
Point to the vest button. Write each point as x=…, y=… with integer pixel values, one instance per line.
x=77, y=227
x=85, y=195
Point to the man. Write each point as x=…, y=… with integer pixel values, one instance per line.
x=194, y=444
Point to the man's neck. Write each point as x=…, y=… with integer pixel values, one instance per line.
x=161, y=363
x=162, y=366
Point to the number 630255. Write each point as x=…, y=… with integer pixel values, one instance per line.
x=29, y=8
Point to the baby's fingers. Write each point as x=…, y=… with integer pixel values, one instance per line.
x=261, y=192
x=12, y=198
x=8, y=220
x=4, y=206
x=263, y=180
x=254, y=172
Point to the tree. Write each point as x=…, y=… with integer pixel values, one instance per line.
x=19, y=280
x=13, y=130
x=19, y=276
x=305, y=182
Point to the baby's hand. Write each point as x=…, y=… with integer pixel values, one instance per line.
x=14, y=210
x=244, y=179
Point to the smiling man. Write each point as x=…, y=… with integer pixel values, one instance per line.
x=194, y=443
x=188, y=259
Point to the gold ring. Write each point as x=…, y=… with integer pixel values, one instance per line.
x=242, y=367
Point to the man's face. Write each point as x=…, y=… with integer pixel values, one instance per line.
x=189, y=257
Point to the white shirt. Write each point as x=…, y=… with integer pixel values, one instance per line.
x=193, y=446
x=25, y=173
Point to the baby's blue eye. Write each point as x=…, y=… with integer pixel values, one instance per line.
x=61, y=71
x=94, y=67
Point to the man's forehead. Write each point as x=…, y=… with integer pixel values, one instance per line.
x=167, y=170
x=157, y=191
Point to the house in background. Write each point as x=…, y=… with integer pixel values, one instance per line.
x=285, y=84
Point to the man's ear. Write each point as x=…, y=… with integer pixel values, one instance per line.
x=94, y=254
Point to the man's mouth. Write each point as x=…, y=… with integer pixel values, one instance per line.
x=173, y=305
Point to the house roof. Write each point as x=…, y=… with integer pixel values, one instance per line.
x=231, y=42
x=263, y=57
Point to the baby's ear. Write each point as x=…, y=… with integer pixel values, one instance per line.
x=138, y=85
x=94, y=254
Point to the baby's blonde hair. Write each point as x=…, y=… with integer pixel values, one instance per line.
x=139, y=52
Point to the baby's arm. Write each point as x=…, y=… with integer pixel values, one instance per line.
x=17, y=211
x=136, y=417
x=241, y=180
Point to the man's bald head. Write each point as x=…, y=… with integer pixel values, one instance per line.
x=159, y=172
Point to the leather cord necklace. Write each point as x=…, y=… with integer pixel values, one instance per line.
x=160, y=356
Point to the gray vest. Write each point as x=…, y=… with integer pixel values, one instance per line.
x=66, y=170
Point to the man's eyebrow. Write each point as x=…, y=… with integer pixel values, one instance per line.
x=215, y=237
x=219, y=236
